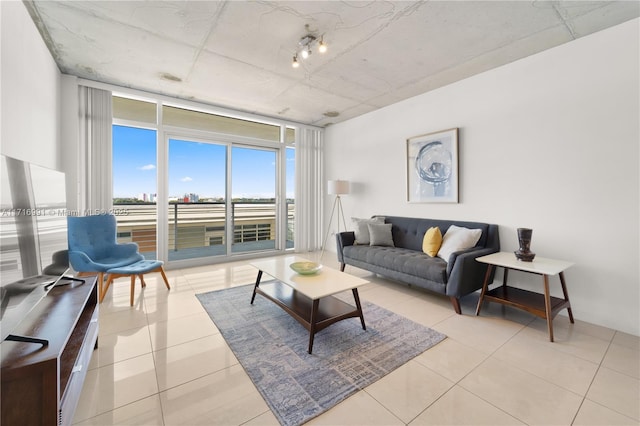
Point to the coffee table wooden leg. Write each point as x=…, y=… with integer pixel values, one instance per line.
x=547, y=307
x=485, y=284
x=256, y=286
x=314, y=318
x=359, y=307
x=566, y=296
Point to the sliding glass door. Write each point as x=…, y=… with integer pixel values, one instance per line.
x=202, y=219
x=197, y=199
x=253, y=206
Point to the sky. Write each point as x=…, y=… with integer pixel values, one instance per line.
x=194, y=167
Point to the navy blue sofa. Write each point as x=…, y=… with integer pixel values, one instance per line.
x=406, y=262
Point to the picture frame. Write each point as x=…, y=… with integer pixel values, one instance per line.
x=432, y=167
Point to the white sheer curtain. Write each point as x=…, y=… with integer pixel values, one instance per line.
x=309, y=190
x=94, y=153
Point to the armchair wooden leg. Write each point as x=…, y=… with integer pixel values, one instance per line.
x=164, y=277
x=110, y=279
x=101, y=288
x=133, y=287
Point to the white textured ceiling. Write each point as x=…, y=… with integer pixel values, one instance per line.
x=237, y=54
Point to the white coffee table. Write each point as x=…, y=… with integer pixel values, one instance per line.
x=308, y=298
x=542, y=305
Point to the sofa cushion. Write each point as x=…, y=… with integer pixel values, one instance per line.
x=402, y=260
x=458, y=238
x=361, y=229
x=380, y=234
x=432, y=241
x=409, y=232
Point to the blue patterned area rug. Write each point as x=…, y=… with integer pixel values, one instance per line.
x=272, y=348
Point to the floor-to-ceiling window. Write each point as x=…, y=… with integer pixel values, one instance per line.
x=135, y=187
x=290, y=192
x=225, y=185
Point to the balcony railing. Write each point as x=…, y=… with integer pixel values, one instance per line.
x=199, y=229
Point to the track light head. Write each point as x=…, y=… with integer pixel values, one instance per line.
x=322, y=47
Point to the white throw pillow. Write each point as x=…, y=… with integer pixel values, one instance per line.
x=361, y=229
x=458, y=238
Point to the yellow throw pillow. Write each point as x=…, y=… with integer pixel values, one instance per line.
x=432, y=241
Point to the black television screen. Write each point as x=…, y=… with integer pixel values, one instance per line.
x=33, y=231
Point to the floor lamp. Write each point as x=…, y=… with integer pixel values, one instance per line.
x=337, y=188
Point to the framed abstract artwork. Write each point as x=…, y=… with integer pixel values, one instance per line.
x=432, y=167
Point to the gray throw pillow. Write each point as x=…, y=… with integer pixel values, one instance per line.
x=361, y=230
x=380, y=234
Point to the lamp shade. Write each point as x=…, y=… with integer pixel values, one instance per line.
x=338, y=187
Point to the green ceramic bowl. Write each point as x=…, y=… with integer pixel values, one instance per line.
x=306, y=268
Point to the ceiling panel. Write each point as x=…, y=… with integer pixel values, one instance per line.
x=237, y=54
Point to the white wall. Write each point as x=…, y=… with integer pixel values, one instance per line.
x=548, y=142
x=30, y=87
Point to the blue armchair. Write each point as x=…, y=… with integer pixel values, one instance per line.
x=93, y=248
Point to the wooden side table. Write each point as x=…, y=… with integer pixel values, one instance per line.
x=541, y=305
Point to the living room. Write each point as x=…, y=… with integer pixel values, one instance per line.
x=548, y=142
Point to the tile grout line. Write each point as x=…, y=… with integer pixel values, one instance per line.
x=484, y=361
x=600, y=366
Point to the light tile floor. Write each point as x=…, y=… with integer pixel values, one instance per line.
x=163, y=362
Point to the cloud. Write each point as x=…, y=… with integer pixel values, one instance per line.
x=186, y=179
x=147, y=167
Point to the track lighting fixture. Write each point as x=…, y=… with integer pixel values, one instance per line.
x=305, y=45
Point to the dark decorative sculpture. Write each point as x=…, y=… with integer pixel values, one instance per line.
x=524, y=239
